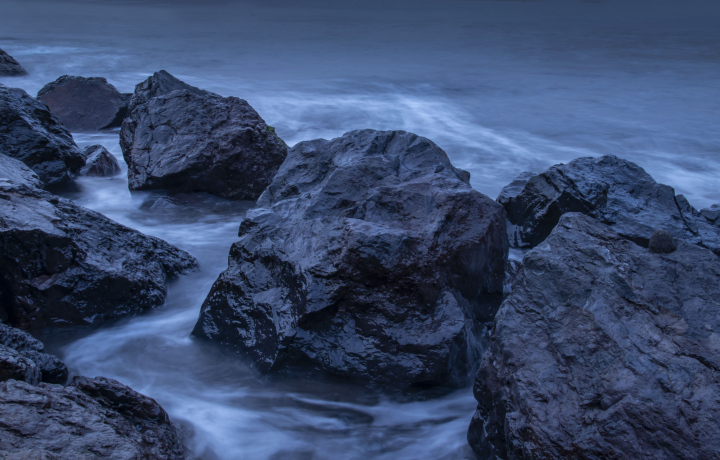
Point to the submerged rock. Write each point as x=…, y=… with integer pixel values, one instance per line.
x=91, y=418
x=368, y=257
x=99, y=162
x=33, y=135
x=617, y=192
x=61, y=264
x=603, y=350
x=9, y=67
x=85, y=104
x=52, y=369
x=183, y=139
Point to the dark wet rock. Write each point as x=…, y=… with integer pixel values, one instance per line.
x=183, y=139
x=603, y=350
x=91, y=418
x=61, y=264
x=85, y=104
x=15, y=366
x=15, y=171
x=52, y=369
x=662, y=242
x=99, y=162
x=617, y=192
x=33, y=135
x=9, y=67
x=712, y=214
x=368, y=257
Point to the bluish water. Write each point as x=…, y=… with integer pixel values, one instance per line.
x=502, y=86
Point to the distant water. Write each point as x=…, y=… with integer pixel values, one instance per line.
x=502, y=86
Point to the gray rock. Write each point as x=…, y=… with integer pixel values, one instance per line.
x=99, y=162
x=15, y=366
x=614, y=191
x=9, y=67
x=662, y=242
x=61, y=264
x=15, y=171
x=603, y=350
x=368, y=257
x=52, y=369
x=190, y=140
x=91, y=418
x=33, y=135
x=85, y=104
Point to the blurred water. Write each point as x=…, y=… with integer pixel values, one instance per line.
x=502, y=86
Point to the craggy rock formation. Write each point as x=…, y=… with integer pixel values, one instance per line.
x=15, y=171
x=52, y=369
x=603, y=350
x=99, y=162
x=615, y=191
x=61, y=264
x=85, y=104
x=369, y=257
x=91, y=418
x=33, y=135
x=9, y=67
x=184, y=139
x=15, y=366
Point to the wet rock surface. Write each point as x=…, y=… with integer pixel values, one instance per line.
x=33, y=135
x=603, y=350
x=61, y=264
x=15, y=366
x=183, y=139
x=9, y=67
x=85, y=103
x=614, y=191
x=91, y=418
x=99, y=162
x=52, y=369
x=15, y=171
x=368, y=257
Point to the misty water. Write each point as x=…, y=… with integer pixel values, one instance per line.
x=502, y=86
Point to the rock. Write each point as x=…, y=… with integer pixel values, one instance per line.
x=662, y=242
x=33, y=135
x=17, y=367
x=617, y=192
x=190, y=140
x=9, y=67
x=368, y=257
x=15, y=171
x=61, y=264
x=85, y=104
x=52, y=369
x=603, y=350
x=91, y=418
x=99, y=162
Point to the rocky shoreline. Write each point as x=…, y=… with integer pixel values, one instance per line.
x=369, y=258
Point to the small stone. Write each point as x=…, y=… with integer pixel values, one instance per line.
x=662, y=242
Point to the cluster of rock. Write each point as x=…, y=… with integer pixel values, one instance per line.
x=9, y=67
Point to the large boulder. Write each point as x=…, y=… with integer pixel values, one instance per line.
x=52, y=369
x=99, y=162
x=61, y=264
x=604, y=349
x=33, y=135
x=368, y=257
x=85, y=104
x=615, y=191
x=90, y=418
x=9, y=67
x=183, y=139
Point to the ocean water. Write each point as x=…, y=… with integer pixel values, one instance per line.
x=502, y=86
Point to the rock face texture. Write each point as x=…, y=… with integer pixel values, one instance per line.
x=15, y=171
x=9, y=67
x=91, y=418
x=99, y=162
x=604, y=349
x=85, y=104
x=33, y=135
x=15, y=366
x=369, y=257
x=52, y=369
x=184, y=139
x=61, y=264
x=614, y=191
